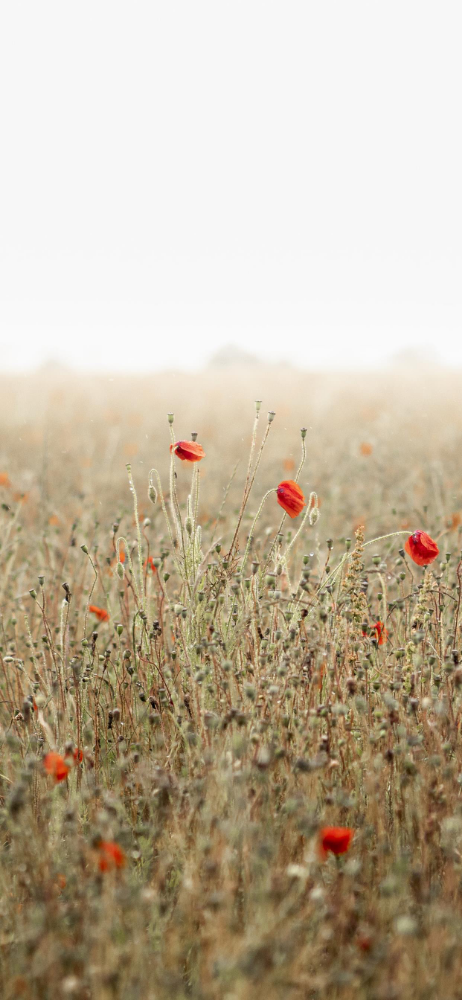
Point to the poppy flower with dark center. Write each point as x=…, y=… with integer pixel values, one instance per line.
x=55, y=765
x=336, y=839
x=188, y=451
x=290, y=497
x=101, y=614
x=421, y=548
x=111, y=856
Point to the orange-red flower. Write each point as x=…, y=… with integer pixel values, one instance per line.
x=381, y=633
x=149, y=564
x=290, y=497
x=188, y=451
x=336, y=839
x=77, y=755
x=111, y=856
x=421, y=548
x=5, y=480
x=101, y=614
x=55, y=766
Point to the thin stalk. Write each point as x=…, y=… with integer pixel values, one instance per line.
x=138, y=533
x=257, y=515
x=249, y=484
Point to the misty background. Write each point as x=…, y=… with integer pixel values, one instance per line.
x=281, y=178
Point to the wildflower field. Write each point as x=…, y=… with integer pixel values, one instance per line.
x=230, y=686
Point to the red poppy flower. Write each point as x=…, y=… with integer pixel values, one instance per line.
x=336, y=839
x=77, y=755
x=55, y=766
x=381, y=633
x=149, y=564
x=111, y=856
x=101, y=614
x=188, y=451
x=290, y=497
x=421, y=548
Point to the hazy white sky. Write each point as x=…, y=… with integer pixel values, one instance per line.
x=178, y=175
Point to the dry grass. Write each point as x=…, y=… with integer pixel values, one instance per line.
x=230, y=715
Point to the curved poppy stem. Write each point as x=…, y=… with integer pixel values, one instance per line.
x=257, y=515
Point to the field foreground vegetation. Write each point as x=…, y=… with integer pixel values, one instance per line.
x=195, y=687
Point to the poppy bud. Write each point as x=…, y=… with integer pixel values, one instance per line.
x=314, y=508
